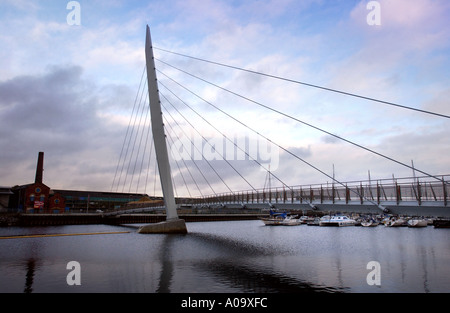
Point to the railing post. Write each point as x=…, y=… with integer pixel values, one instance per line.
x=347, y=194
x=301, y=195
x=292, y=195
x=444, y=189
x=276, y=195
x=378, y=193
x=361, y=193
x=419, y=193
x=321, y=194
x=333, y=192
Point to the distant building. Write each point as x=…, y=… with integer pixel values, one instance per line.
x=39, y=198
x=92, y=201
x=5, y=194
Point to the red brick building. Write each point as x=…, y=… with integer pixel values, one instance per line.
x=38, y=197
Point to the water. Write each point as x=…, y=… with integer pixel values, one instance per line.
x=227, y=257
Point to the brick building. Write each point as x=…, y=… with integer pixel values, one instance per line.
x=37, y=197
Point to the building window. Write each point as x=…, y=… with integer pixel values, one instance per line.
x=38, y=190
x=57, y=201
x=32, y=197
x=42, y=198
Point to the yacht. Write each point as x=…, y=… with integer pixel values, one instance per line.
x=337, y=220
x=417, y=223
x=395, y=222
x=369, y=222
x=281, y=219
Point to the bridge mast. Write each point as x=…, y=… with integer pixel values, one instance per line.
x=173, y=224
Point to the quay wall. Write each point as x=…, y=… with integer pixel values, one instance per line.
x=92, y=219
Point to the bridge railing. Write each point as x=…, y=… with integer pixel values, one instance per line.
x=399, y=190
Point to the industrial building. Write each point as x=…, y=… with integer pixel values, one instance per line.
x=40, y=198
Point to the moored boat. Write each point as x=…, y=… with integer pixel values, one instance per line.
x=315, y=222
x=337, y=220
x=441, y=223
x=396, y=222
x=281, y=219
x=291, y=221
x=369, y=223
x=417, y=223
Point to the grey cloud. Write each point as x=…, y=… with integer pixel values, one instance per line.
x=57, y=112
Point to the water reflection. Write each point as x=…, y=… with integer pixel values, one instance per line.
x=261, y=280
x=29, y=277
x=167, y=265
x=235, y=267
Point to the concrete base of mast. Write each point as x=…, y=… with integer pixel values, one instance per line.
x=173, y=226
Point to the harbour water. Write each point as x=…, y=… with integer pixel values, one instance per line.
x=227, y=257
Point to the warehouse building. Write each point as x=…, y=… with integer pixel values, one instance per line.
x=40, y=198
x=5, y=194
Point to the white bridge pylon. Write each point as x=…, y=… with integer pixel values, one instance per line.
x=172, y=224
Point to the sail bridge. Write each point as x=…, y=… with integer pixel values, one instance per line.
x=426, y=194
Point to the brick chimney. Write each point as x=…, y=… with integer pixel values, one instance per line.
x=40, y=168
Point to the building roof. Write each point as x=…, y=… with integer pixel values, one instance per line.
x=5, y=191
x=100, y=195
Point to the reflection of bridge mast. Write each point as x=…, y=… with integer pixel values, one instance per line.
x=173, y=224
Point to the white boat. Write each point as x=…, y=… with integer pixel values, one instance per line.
x=338, y=220
x=272, y=221
x=307, y=219
x=369, y=223
x=280, y=219
x=315, y=222
x=291, y=221
x=417, y=223
x=399, y=222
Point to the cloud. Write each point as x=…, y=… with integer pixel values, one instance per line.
x=58, y=112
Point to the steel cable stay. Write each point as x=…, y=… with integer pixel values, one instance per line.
x=130, y=139
x=202, y=152
x=140, y=143
x=307, y=124
x=126, y=136
x=144, y=152
x=307, y=84
x=176, y=161
x=213, y=147
x=134, y=143
x=226, y=137
x=195, y=164
x=184, y=163
x=190, y=156
x=269, y=140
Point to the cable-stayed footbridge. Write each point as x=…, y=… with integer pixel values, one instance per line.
x=210, y=154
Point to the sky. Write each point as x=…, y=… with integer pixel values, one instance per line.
x=69, y=90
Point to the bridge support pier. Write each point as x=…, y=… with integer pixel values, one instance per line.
x=173, y=226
